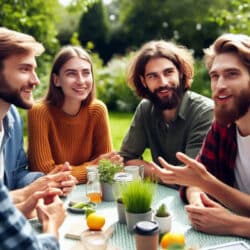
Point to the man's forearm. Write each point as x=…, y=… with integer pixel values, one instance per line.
x=239, y=226
x=229, y=196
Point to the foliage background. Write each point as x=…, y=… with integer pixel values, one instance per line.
x=112, y=32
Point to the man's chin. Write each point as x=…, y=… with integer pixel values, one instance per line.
x=24, y=104
x=225, y=118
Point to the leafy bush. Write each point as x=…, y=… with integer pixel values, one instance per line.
x=112, y=88
x=201, y=82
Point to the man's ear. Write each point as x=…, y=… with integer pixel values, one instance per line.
x=143, y=82
x=56, y=80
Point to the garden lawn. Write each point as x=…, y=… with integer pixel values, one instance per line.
x=119, y=123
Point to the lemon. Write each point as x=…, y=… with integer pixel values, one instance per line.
x=95, y=221
x=169, y=239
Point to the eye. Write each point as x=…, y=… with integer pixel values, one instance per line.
x=214, y=76
x=86, y=73
x=24, y=69
x=71, y=73
x=168, y=72
x=232, y=74
x=151, y=76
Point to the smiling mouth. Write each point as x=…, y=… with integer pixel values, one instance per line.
x=79, y=90
x=222, y=97
x=27, y=91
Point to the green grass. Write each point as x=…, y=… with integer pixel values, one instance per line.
x=120, y=123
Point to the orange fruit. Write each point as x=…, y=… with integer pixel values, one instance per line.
x=95, y=221
x=169, y=239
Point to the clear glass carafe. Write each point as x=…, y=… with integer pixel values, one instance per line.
x=93, y=187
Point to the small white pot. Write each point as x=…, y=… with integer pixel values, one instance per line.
x=165, y=223
x=133, y=218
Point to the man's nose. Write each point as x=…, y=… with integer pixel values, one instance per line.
x=163, y=80
x=220, y=83
x=34, y=79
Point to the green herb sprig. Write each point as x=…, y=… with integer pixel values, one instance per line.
x=107, y=170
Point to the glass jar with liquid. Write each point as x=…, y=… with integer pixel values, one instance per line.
x=93, y=187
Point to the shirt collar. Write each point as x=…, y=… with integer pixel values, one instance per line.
x=182, y=111
x=8, y=120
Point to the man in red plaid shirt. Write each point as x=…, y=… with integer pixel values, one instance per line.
x=222, y=167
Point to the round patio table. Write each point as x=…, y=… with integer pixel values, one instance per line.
x=122, y=239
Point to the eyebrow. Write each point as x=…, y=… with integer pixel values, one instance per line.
x=166, y=69
x=75, y=70
x=224, y=70
x=27, y=65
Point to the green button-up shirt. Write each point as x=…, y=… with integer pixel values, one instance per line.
x=185, y=133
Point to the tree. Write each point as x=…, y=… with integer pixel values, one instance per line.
x=234, y=19
x=187, y=22
x=70, y=19
x=36, y=18
x=94, y=28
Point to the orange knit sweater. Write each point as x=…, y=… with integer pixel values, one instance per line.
x=55, y=137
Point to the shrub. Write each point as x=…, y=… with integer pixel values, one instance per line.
x=112, y=88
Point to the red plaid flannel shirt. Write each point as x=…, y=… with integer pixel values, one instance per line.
x=218, y=154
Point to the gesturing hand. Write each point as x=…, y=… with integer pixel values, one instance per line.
x=192, y=174
x=51, y=215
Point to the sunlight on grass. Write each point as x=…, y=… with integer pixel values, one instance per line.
x=119, y=123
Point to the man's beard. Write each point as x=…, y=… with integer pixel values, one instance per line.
x=10, y=95
x=166, y=102
x=239, y=108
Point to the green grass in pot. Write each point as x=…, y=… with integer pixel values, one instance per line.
x=137, y=195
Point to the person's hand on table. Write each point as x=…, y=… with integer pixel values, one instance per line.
x=51, y=213
x=60, y=177
x=28, y=206
x=211, y=218
x=67, y=182
x=112, y=156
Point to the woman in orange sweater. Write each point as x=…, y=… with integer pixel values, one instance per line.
x=70, y=124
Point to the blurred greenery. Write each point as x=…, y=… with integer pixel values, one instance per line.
x=111, y=85
x=113, y=31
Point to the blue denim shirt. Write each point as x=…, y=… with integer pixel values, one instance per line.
x=16, y=173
